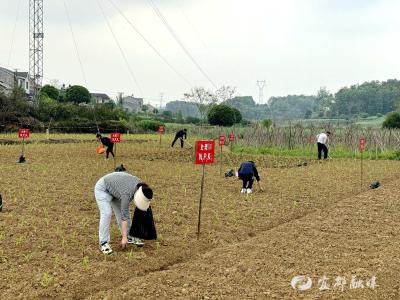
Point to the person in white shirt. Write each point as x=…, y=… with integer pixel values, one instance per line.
x=322, y=141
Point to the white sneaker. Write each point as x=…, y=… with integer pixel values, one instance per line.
x=106, y=249
x=136, y=241
x=249, y=191
x=243, y=191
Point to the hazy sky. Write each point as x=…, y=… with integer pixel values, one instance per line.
x=297, y=46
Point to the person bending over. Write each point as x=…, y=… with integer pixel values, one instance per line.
x=107, y=143
x=322, y=141
x=247, y=172
x=114, y=192
x=179, y=135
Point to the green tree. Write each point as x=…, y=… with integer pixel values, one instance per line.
x=202, y=99
x=222, y=115
x=392, y=120
x=50, y=91
x=77, y=94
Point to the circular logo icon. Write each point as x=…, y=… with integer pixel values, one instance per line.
x=301, y=283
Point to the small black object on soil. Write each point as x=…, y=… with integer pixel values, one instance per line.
x=375, y=185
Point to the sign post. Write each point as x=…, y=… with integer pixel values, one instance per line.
x=232, y=139
x=204, y=155
x=221, y=144
x=115, y=138
x=361, y=147
x=23, y=133
x=311, y=141
x=161, y=131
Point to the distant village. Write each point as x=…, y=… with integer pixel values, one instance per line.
x=9, y=78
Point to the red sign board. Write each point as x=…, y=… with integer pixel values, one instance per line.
x=23, y=133
x=232, y=137
x=115, y=137
x=205, y=152
x=161, y=129
x=362, y=144
x=221, y=140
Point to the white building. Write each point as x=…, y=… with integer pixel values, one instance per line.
x=9, y=78
x=132, y=104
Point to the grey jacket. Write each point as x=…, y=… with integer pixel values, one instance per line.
x=122, y=186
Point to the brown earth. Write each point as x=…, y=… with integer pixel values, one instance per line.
x=309, y=221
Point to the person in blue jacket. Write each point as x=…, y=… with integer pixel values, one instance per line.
x=106, y=142
x=247, y=172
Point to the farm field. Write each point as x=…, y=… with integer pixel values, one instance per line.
x=310, y=220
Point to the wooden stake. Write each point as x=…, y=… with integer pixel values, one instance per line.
x=115, y=155
x=200, y=204
x=220, y=162
x=23, y=146
x=361, y=172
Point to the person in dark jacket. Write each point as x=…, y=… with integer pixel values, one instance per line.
x=106, y=142
x=247, y=172
x=179, y=135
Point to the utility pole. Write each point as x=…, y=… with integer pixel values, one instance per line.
x=36, y=36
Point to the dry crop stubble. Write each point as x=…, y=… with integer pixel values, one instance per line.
x=49, y=202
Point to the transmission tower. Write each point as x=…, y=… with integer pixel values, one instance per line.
x=261, y=85
x=161, y=100
x=36, y=44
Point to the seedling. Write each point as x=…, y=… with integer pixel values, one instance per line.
x=86, y=263
x=44, y=282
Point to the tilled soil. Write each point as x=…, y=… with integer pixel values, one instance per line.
x=354, y=241
x=48, y=227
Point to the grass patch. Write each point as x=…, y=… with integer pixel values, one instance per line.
x=338, y=152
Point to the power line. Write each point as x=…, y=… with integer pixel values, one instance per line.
x=74, y=41
x=180, y=43
x=13, y=33
x=149, y=44
x=192, y=25
x=120, y=49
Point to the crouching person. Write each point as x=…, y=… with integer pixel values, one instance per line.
x=114, y=192
x=247, y=172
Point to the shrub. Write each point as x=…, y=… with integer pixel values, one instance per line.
x=89, y=126
x=267, y=123
x=77, y=94
x=223, y=115
x=392, y=120
x=192, y=120
x=50, y=91
x=148, y=125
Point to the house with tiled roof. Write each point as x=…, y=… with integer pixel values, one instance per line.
x=100, y=98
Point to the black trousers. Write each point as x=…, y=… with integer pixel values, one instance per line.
x=110, y=150
x=248, y=181
x=322, y=148
x=176, y=138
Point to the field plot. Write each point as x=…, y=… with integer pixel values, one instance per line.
x=49, y=224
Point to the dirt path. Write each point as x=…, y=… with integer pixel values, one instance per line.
x=359, y=236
